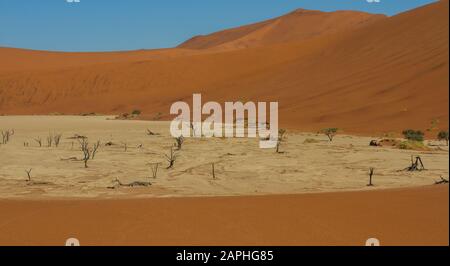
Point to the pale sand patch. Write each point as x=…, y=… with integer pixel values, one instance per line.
x=242, y=168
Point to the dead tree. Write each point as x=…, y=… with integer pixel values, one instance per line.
x=29, y=175
x=330, y=133
x=213, y=171
x=442, y=181
x=281, y=134
x=179, y=142
x=371, y=173
x=125, y=146
x=49, y=140
x=39, y=141
x=171, y=158
x=95, y=149
x=154, y=167
x=280, y=139
x=87, y=152
x=416, y=165
x=6, y=135
x=57, y=139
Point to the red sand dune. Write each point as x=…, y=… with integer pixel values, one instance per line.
x=362, y=73
x=299, y=25
x=417, y=216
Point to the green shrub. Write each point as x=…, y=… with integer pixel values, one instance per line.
x=330, y=132
x=414, y=135
x=443, y=135
x=136, y=112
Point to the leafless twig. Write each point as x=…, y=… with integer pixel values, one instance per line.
x=171, y=158
x=28, y=174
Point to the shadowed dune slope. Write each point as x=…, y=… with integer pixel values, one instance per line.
x=385, y=75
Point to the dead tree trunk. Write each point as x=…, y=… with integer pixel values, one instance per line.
x=29, y=174
x=371, y=173
x=154, y=167
x=171, y=158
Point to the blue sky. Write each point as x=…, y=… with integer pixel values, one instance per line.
x=109, y=25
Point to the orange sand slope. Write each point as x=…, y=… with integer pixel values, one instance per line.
x=298, y=25
x=416, y=216
x=359, y=72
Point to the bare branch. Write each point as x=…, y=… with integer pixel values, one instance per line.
x=171, y=158
x=179, y=142
x=57, y=139
x=154, y=168
x=6, y=135
x=29, y=174
x=39, y=141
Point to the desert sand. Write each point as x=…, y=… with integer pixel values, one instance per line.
x=241, y=167
x=417, y=216
x=311, y=194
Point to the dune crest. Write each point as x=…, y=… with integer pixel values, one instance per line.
x=299, y=25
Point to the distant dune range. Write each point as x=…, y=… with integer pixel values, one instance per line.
x=360, y=72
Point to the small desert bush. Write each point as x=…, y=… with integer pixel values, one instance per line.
x=136, y=112
x=443, y=136
x=414, y=135
x=330, y=132
x=412, y=145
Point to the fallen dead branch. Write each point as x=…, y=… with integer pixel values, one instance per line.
x=416, y=165
x=70, y=159
x=76, y=136
x=117, y=184
x=151, y=133
x=442, y=181
x=39, y=183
